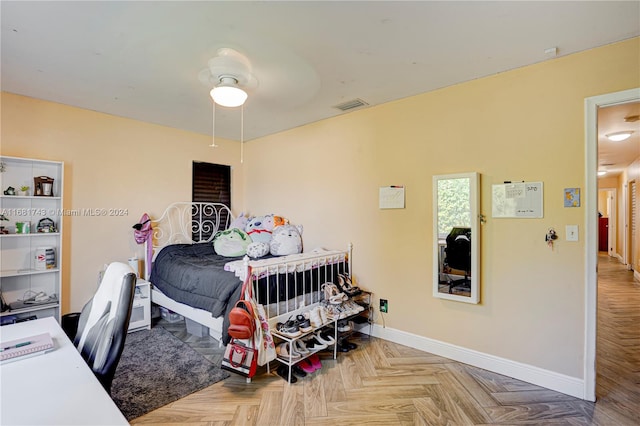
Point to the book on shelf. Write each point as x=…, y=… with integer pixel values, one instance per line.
x=27, y=346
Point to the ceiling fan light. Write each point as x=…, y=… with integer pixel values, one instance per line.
x=619, y=136
x=227, y=94
x=602, y=172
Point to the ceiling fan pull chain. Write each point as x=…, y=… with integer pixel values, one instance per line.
x=213, y=127
x=242, y=134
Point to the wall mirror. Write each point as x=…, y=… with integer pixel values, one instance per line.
x=456, y=231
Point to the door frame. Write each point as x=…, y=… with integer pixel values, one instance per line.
x=591, y=106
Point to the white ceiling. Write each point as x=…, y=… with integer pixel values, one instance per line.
x=613, y=157
x=141, y=59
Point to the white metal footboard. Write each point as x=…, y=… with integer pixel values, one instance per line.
x=306, y=289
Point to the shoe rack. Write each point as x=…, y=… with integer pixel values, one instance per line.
x=290, y=341
x=364, y=317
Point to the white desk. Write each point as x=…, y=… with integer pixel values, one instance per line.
x=55, y=388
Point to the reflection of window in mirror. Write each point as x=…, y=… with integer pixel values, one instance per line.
x=456, y=247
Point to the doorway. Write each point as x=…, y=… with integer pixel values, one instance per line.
x=592, y=105
x=608, y=221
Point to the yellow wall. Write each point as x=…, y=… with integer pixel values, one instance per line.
x=110, y=162
x=526, y=124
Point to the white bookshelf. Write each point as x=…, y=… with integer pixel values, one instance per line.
x=21, y=273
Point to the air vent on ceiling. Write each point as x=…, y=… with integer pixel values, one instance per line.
x=352, y=104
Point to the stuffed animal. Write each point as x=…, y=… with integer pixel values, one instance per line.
x=259, y=228
x=279, y=221
x=257, y=249
x=286, y=239
x=239, y=222
x=231, y=243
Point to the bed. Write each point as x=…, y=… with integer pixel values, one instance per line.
x=190, y=279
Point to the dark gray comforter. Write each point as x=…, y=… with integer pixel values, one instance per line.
x=195, y=275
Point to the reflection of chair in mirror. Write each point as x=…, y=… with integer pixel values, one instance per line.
x=458, y=257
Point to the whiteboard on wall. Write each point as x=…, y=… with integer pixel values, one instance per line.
x=517, y=200
x=391, y=197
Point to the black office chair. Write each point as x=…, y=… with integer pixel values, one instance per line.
x=458, y=256
x=101, y=328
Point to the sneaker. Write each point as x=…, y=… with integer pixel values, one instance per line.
x=289, y=328
x=324, y=339
x=334, y=312
x=304, y=324
x=354, y=307
x=314, y=345
x=315, y=317
x=343, y=326
x=324, y=314
x=300, y=348
x=283, y=352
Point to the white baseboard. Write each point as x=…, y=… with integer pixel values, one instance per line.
x=538, y=376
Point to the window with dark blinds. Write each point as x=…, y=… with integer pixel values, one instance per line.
x=211, y=184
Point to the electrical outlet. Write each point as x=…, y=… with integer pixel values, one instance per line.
x=384, y=305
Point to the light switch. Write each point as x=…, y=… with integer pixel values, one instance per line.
x=572, y=232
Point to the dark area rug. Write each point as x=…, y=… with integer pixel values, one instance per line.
x=156, y=368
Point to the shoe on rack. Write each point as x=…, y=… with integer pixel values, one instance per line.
x=355, y=307
x=300, y=348
x=315, y=361
x=314, y=345
x=324, y=314
x=335, y=312
x=329, y=335
x=283, y=352
x=315, y=317
x=332, y=294
x=324, y=339
x=289, y=328
x=304, y=324
x=298, y=371
x=306, y=366
x=283, y=372
x=346, y=286
x=344, y=326
x=343, y=348
x=349, y=345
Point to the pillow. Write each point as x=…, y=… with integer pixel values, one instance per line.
x=286, y=239
x=257, y=249
x=231, y=242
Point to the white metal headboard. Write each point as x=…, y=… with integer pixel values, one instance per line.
x=188, y=223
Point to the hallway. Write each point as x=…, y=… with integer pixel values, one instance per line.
x=618, y=341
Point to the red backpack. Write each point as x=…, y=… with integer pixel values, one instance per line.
x=242, y=323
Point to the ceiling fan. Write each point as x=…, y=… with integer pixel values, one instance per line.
x=229, y=74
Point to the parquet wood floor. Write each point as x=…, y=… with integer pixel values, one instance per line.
x=384, y=383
